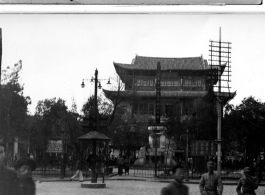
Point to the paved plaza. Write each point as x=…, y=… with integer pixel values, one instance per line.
x=120, y=187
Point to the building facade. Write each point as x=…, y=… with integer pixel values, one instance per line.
x=183, y=82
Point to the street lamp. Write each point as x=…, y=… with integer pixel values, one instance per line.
x=93, y=79
x=186, y=136
x=97, y=85
x=96, y=80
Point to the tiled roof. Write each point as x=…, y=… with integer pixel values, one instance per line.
x=178, y=94
x=93, y=135
x=150, y=63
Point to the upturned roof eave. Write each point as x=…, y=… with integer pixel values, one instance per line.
x=119, y=66
x=164, y=94
x=93, y=135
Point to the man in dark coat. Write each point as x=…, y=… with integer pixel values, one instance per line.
x=210, y=182
x=176, y=187
x=248, y=183
x=9, y=184
x=24, y=167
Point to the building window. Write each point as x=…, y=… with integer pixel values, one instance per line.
x=151, y=109
x=187, y=83
x=145, y=82
x=169, y=83
x=194, y=83
x=176, y=83
x=152, y=83
x=168, y=110
x=135, y=108
x=138, y=82
x=199, y=83
x=203, y=83
x=163, y=83
x=144, y=108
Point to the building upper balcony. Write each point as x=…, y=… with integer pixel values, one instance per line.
x=187, y=84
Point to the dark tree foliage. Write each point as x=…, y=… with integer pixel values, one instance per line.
x=53, y=119
x=13, y=103
x=104, y=110
x=128, y=133
x=243, y=128
x=88, y=107
x=176, y=126
x=205, y=118
x=202, y=124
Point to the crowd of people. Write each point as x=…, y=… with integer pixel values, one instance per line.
x=123, y=163
x=210, y=183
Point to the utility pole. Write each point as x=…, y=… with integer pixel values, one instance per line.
x=158, y=96
x=222, y=51
x=219, y=114
x=95, y=99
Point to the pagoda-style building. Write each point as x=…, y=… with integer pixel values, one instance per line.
x=183, y=82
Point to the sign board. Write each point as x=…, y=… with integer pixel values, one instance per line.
x=54, y=146
x=201, y=148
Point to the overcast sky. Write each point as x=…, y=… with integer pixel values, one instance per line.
x=58, y=51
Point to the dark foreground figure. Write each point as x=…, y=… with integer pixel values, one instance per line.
x=211, y=183
x=24, y=167
x=9, y=184
x=248, y=183
x=176, y=187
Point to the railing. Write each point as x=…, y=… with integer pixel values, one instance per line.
x=163, y=171
x=54, y=172
x=148, y=171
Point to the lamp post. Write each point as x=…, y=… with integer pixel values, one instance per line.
x=94, y=143
x=186, y=136
x=97, y=85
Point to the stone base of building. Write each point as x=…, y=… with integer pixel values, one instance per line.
x=93, y=185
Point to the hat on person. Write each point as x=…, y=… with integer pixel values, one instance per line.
x=247, y=169
x=210, y=164
x=25, y=161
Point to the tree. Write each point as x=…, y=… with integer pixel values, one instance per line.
x=13, y=103
x=54, y=120
x=118, y=87
x=243, y=128
x=104, y=110
x=129, y=133
x=176, y=126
